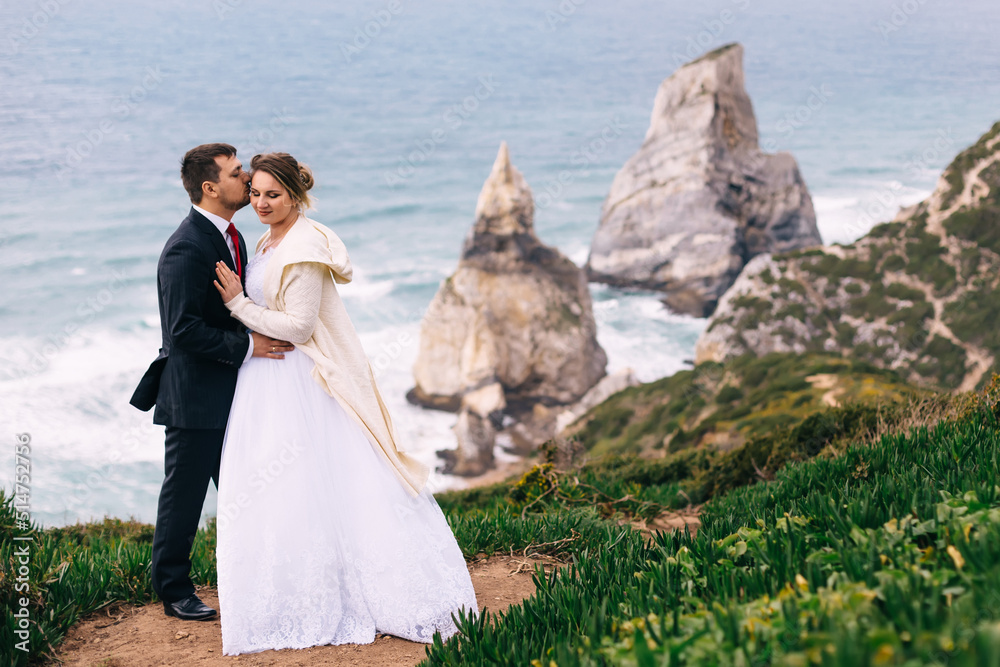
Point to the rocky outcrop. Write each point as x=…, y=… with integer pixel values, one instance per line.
x=699, y=199
x=919, y=295
x=511, y=334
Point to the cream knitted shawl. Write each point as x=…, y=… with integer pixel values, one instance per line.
x=304, y=308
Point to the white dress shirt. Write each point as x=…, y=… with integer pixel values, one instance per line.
x=222, y=225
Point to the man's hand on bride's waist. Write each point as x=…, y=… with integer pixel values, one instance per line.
x=265, y=346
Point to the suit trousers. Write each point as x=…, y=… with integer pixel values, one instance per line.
x=192, y=458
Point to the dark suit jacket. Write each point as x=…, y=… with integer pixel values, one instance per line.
x=193, y=379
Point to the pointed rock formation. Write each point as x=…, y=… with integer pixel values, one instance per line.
x=511, y=331
x=700, y=199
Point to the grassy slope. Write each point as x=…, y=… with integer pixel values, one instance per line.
x=724, y=406
x=698, y=596
x=881, y=554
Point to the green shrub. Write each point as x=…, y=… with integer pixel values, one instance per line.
x=824, y=265
x=947, y=362
x=789, y=286
x=796, y=254
x=872, y=305
x=845, y=334
x=853, y=288
x=606, y=424
x=980, y=225
x=756, y=306
x=974, y=318
x=893, y=262
x=970, y=260
x=887, y=230
x=728, y=394
x=904, y=293
x=796, y=311
x=954, y=174
x=925, y=254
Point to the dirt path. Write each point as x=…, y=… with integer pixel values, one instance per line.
x=129, y=636
x=974, y=189
x=827, y=381
x=669, y=521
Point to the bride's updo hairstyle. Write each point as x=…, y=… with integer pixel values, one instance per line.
x=295, y=177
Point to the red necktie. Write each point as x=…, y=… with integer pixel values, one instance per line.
x=231, y=230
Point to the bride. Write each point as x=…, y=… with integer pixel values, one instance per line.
x=326, y=532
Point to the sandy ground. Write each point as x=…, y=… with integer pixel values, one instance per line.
x=683, y=519
x=129, y=636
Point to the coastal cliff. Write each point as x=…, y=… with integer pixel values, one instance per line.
x=919, y=295
x=700, y=199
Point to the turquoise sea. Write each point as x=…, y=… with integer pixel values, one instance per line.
x=399, y=107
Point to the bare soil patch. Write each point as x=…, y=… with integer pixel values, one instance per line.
x=686, y=519
x=131, y=636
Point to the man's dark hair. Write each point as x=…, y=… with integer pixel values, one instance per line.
x=199, y=165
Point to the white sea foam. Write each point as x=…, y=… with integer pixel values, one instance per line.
x=578, y=253
x=73, y=398
x=363, y=287
x=365, y=290
x=87, y=443
x=393, y=351
x=844, y=218
x=637, y=331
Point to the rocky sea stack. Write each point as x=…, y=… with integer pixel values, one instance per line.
x=919, y=295
x=511, y=333
x=699, y=199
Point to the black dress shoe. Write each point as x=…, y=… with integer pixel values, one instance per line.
x=189, y=609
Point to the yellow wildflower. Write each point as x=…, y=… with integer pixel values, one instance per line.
x=884, y=655
x=956, y=556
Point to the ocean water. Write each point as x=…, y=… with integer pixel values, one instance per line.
x=399, y=107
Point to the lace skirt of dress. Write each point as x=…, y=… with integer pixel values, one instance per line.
x=318, y=541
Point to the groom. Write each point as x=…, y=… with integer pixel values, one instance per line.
x=193, y=379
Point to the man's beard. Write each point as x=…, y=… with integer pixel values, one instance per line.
x=234, y=204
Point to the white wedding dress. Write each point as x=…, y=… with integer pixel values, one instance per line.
x=318, y=540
